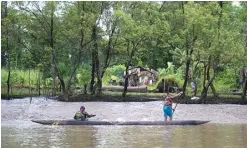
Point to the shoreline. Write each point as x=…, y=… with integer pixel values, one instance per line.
x=137, y=98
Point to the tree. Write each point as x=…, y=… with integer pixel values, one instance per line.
x=134, y=30
x=110, y=23
x=224, y=44
x=244, y=69
x=5, y=24
x=46, y=17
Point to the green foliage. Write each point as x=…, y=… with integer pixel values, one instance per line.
x=48, y=82
x=227, y=80
x=4, y=76
x=63, y=69
x=151, y=34
x=83, y=75
x=114, y=71
x=169, y=75
x=166, y=71
x=170, y=80
x=19, y=77
x=170, y=71
x=178, y=56
x=14, y=77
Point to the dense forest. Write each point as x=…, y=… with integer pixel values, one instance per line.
x=82, y=44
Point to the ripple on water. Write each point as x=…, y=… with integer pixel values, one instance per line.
x=40, y=108
x=225, y=128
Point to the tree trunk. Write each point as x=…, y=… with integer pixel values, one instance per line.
x=39, y=83
x=186, y=77
x=188, y=54
x=205, y=88
x=99, y=87
x=5, y=5
x=54, y=55
x=129, y=61
x=100, y=73
x=204, y=74
x=243, y=96
x=53, y=80
x=95, y=66
x=107, y=59
x=208, y=77
x=44, y=86
x=29, y=82
x=52, y=48
x=189, y=51
x=85, y=89
x=126, y=81
x=19, y=43
x=195, y=91
x=8, y=81
x=97, y=69
x=92, y=74
x=77, y=61
x=245, y=53
x=95, y=58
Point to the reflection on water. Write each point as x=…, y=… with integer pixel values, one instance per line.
x=18, y=131
x=206, y=136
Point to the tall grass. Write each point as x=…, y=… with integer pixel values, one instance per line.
x=226, y=81
x=19, y=77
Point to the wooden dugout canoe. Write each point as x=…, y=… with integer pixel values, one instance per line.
x=78, y=122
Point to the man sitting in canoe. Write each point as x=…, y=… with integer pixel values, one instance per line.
x=167, y=108
x=82, y=114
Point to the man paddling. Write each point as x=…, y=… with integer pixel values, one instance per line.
x=82, y=114
x=167, y=108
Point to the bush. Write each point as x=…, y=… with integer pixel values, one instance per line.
x=4, y=75
x=83, y=75
x=170, y=80
x=19, y=77
x=170, y=75
x=166, y=71
x=226, y=80
x=115, y=72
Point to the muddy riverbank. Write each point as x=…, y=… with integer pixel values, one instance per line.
x=138, y=98
x=222, y=99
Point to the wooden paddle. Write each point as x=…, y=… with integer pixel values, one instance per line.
x=177, y=102
x=91, y=116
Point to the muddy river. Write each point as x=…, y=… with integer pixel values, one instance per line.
x=227, y=127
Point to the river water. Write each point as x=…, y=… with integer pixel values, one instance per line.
x=227, y=129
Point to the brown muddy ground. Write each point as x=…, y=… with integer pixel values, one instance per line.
x=234, y=99
x=129, y=98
